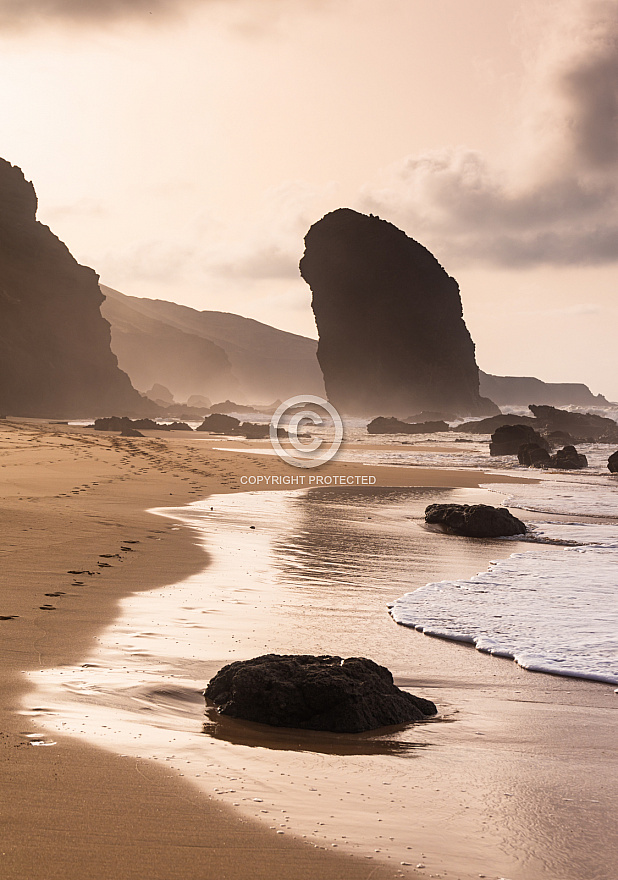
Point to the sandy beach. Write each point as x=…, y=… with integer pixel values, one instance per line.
x=78, y=538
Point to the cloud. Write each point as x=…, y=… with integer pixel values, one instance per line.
x=562, y=206
x=28, y=12
x=250, y=16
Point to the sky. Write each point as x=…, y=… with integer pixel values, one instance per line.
x=183, y=148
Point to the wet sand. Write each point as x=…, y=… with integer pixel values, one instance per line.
x=72, y=500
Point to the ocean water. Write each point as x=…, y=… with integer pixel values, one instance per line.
x=553, y=612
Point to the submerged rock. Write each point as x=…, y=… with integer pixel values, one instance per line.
x=314, y=693
x=475, y=520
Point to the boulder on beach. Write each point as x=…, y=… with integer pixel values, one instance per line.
x=569, y=459
x=254, y=431
x=218, y=423
x=508, y=439
x=131, y=432
x=176, y=426
x=383, y=425
x=124, y=423
x=612, y=463
x=475, y=520
x=314, y=693
x=533, y=455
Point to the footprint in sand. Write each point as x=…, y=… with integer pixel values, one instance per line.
x=56, y=594
x=9, y=616
x=47, y=607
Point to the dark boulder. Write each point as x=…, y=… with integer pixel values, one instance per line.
x=390, y=321
x=218, y=423
x=508, y=439
x=612, y=462
x=131, y=432
x=176, y=426
x=254, y=431
x=533, y=455
x=569, y=459
x=124, y=423
x=314, y=693
x=383, y=425
x=475, y=520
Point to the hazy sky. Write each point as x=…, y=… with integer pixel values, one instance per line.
x=182, y=148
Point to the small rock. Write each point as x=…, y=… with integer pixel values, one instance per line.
x=475, y=520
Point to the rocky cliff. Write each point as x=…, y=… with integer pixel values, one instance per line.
x=260, y=363
x=55, y=355
x=154, y=352
x=392, y=335
x=521, y=390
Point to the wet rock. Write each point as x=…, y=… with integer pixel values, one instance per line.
x=124, y=423
x=612, y=462
x=253, y=431
x=176, y=426
x=533, y=455
x=569, y=459
x=475, y=520
x=314, y=693
x=508, y=439
x=218, y=423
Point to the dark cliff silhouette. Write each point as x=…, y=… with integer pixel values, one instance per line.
x=392, y=335
x=55, y=355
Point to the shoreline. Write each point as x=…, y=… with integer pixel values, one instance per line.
x=91, y=510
